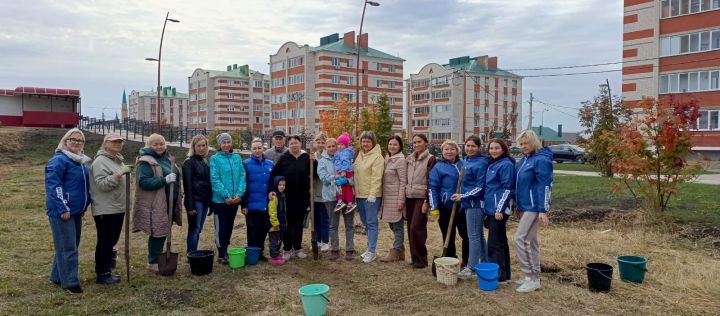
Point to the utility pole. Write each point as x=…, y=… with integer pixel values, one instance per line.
x=531, y=112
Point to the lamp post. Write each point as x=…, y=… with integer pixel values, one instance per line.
x=158, y=59
x=357, y=68
x=606, y=87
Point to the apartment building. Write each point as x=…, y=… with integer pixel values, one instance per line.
x=467, y=96
x=173, y=109
x=673, y=47
x=306, y=80
x=236, y=98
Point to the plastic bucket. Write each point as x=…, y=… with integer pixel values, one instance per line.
x=487, y=274
x=252, y=255
x=632, y=268
x=315, y=299
x=201, y=261
x=236, y=258
x=599, y=276
x=447, y=269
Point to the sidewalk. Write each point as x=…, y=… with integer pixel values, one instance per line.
x=703, y=178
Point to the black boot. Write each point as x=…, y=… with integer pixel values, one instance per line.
x=113, y=259
x=222, y=255
x=107, y=279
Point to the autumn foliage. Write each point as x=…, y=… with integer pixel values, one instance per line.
x=652, y=153
x=338, y=118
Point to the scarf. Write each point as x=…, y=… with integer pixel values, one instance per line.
x=81, y=158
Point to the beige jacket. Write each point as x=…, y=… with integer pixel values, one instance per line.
x=368, y=173
x=394, y=181
x=107, y=190
x=417, y=175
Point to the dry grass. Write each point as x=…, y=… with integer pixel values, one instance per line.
x=682, y=277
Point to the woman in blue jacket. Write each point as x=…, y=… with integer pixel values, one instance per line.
x=227, y=179
x=442, y=184
x=255, y=200
x=533, y=185
x=499, y=192
x=471, y=196
x=67, y=196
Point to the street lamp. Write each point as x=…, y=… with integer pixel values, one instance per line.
x=357, y=69
x=606, y=87
x=158, y=59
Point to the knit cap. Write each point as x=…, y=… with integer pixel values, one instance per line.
x=223, y=137
x=344, y=139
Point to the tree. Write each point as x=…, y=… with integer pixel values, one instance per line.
x=601, y=121
x=338, y=118
x=378, y=119
x=652, y=152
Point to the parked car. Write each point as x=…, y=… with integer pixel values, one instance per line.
x=567, y=152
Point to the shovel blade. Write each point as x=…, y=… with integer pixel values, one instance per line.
x=167, y=264
x=434, y=272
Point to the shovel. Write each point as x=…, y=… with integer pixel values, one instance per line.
x=313, y=241
x=451, y=225
x=127, y=226
x=167, y=263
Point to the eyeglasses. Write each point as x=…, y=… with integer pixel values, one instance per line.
x=76, y=140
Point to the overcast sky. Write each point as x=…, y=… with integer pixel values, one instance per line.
x=99, y=46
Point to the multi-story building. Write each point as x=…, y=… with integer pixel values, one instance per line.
x=672, y=47
x=467, y=96
x=174, y=109
x=306, y=80
x=237, y=98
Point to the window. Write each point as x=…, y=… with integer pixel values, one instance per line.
x=715, y=80
x=705, y=41
x=391, y=68
x=422, y=110
x=514, y=84
x=715, y=41
x=690, y=82
x=278, y=98
x=441, y=108
x=690, y=43
x=663, y=84
x=440, y=136
x=296, y=79
x=336, y=61
x=420, y=83
x=694, y=6
x=673, y=82
x=258, y=84
x=280, y=65
x=708, y=120
x=350, y=80
x=442, y=94
x=693, y=81
x=392, y=84
x=295, y=62
x=420, y=96
x=351, y=63
x=280, y=82
x=440, y=80
x=441, y=122
x=278, y=115
x=335, y=79
x=379, y=66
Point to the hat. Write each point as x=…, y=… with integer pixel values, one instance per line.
x=223, y=137
x=278, y=133
x=112, y=137
x=344, y=139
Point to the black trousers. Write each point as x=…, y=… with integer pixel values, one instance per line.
x=108, y=233
x=459, y=227
x=258, y=224
x=498, y=250
x=292, y=237
x=224, y=221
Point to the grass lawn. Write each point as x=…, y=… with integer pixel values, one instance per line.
x=573, y=166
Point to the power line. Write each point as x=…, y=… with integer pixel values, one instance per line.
x=553, y=107
x=613, y=70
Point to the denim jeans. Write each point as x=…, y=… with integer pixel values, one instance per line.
x=398, y=229
x=349, y=220
x=66, y=237
x=478, y=247
x=369, y=216
x=322, y=223
x=195, y=225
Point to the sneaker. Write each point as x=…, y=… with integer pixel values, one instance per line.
x=74, y=290
x=286, y=255
x=277, y=261
x=364, y=254
x=350, y=255
x=107, y=279
x=370, y=257
x=334, y=255
x=529, y=286
x=300, y=254
x=340, y=206
x=324, y=247
x=351, y=207
x=466, y=273
x=152, y=267
x=522, y=280
x=503, y=282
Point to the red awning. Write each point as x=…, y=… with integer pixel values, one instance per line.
x=42, y=91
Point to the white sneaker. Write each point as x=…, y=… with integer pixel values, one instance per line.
x=364, y=254
x=370, y=257
x=466, y=273
x=522, y=280
x=529, y=286
x=300, y=254
x=286, y=255
x=324, y=247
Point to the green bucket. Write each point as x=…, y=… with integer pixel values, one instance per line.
x=315, y=299
x=632, y=268
x=236, y=258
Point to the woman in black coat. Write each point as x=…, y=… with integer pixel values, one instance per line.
x=198, y=193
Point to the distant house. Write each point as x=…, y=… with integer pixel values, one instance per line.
x=39, y=107
x=550, y=136
x=570, y=137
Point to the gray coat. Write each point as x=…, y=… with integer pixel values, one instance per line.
x=328, y=175
x=107, y=190
x=273, y=154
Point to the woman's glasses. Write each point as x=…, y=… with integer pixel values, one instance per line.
x=76, y=140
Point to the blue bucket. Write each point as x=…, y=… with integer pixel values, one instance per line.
x=252, y=255
x=487, y=274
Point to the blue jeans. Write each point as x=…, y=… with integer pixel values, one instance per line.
x=195, y=225
x=369, y=217
x=478, y=247
x=322, y=223
x=66, y=237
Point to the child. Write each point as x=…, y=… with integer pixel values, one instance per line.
x=343, y=160
x=278, y=223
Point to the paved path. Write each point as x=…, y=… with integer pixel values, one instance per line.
x=139, y=138
x=703, y=178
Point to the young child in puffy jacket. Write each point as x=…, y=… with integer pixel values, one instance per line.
x=343, y=160
x=278, y=222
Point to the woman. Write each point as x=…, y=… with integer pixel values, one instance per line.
x=368, y=171
x=156, y=172
x=227, y=179
x=255, y=200
x=443, y=184
x=67, y=196
x=198, y=193
x=416, y=205
x=328, y=176
x=472, y=202
x=294, y=166
x=533, y=185
x=107, y=189
x=393, y=192
x=499, y=192
x=322, y=217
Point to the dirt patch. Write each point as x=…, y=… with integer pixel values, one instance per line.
x=699, y=232
x=567, y=215
x=171, y=298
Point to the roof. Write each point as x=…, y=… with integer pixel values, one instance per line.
x=340, y=47
x=471, y=65
x=124, y=100
x=242, y=72
x=548, y=134
x=41, y=91
x=178, y=95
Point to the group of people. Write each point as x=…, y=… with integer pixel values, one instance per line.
x=272, y=189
